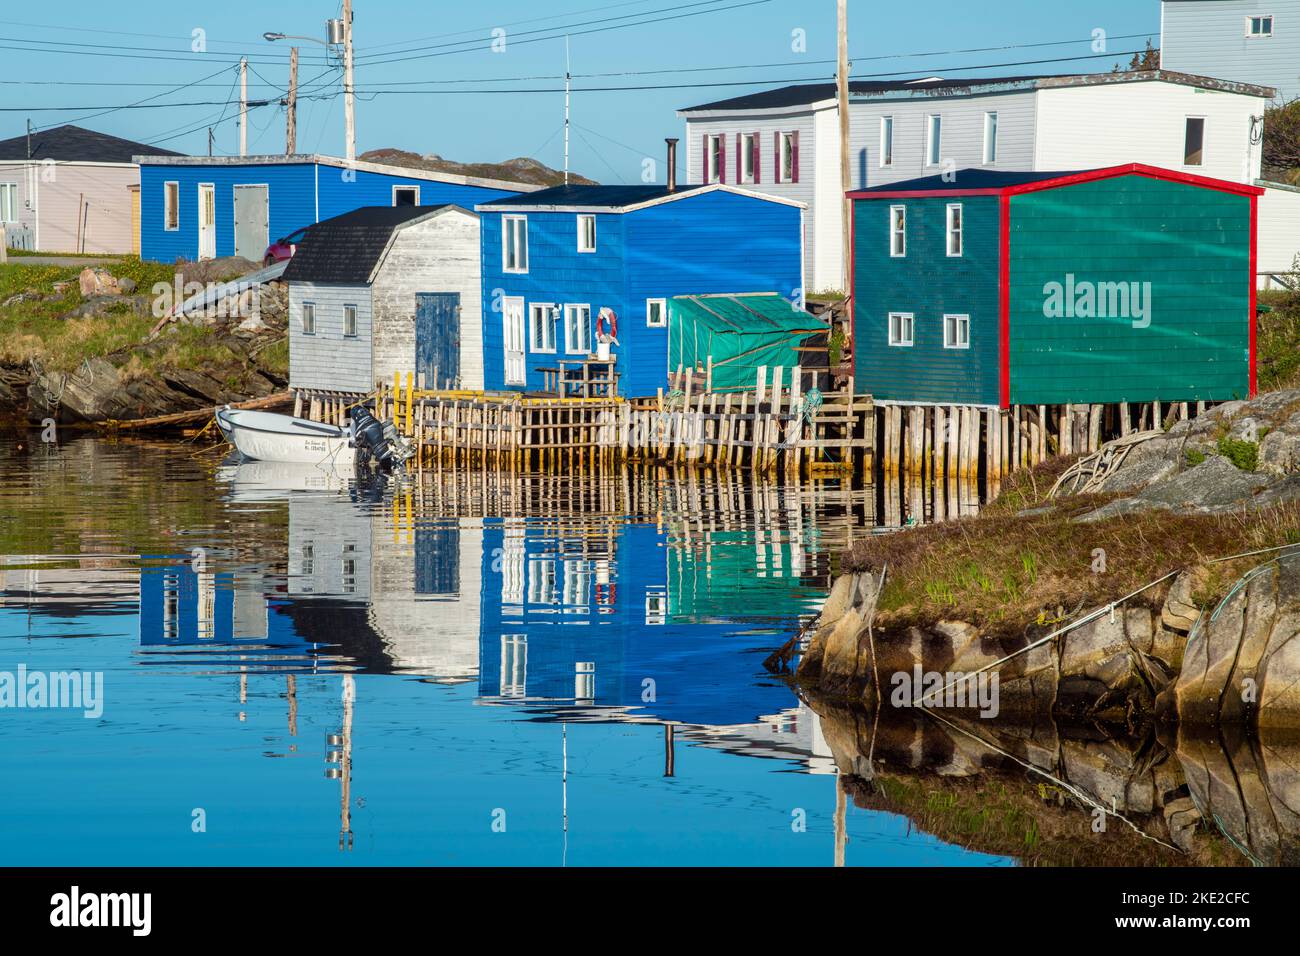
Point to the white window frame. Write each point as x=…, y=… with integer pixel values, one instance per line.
x=11, y=190
x=897, y=250
x=520, y=247
x=886, y=141
x=933, y=142
x=171, y=205
x=584, y=347
x=990, y=137
x=408, y=188
x=748, y=148
x=895, y=334
x=305, y=310
x=956, y=232
x=583, y=218
x=663, y=313
x=962, y=321
x=714, y=158
x=1250, y=26
x=785, y=151
x=349, y=307
x=541, y=315
x=1205, y=130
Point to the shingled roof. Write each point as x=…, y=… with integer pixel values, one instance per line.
x=75, y=144
x=347, y=248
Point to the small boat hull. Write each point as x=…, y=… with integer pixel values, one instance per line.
x=265, y=436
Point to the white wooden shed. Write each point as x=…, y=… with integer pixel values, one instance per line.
x=384, y=290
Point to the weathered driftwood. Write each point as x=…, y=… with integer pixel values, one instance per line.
x=191, y=417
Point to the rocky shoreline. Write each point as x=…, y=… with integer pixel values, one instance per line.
x=222, y=354
x=1182, y=650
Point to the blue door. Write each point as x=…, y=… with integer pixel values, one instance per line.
x=437, y=338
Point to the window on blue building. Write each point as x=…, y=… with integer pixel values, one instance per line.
x=577, y=329
x=656, y=313
x=514, y=243
x=541, y=327
x=171, y=206
x=586, y=233
x=954, y=230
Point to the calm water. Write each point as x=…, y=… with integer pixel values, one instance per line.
x=468, y=669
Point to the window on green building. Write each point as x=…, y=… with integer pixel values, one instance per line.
x=900, y=328
x=956, y=331
x=897, y=231
x=954, y=230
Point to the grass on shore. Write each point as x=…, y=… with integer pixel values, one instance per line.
x=1004, y=572
x=1278, y=340
x=33, y=330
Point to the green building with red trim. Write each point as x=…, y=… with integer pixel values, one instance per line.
x=1125, y=284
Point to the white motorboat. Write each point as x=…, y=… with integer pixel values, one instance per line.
x=266, y=436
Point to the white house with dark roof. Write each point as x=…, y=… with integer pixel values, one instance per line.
x=786, y=141
x=1252, y=41
x=383, y=290
x=71, y=189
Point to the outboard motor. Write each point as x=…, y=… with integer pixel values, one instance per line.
x=373, y=440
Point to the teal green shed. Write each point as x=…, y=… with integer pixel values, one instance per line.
x=1126, y=284
x=738, y=333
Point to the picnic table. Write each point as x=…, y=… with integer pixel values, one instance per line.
x=588, y=377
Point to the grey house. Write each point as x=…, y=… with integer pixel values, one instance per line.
x=384, y=290
x=1250, y=41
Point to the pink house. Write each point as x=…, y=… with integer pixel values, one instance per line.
x=71, y=190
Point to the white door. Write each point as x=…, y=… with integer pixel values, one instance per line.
x=512, y=310
x=207, y=221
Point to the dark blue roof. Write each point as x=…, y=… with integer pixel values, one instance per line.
x=611, y=197
x=966, y=179
x=802, y=94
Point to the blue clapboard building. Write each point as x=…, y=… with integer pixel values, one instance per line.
x=201, y=207
x=554, y=259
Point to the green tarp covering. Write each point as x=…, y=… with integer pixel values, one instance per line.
x=740, y=332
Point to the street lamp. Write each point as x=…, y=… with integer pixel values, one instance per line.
x=338, y=32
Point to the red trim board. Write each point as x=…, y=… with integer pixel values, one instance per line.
x=1004, y=302
x=1254, y=283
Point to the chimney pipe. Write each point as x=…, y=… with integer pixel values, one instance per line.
x=672, y=163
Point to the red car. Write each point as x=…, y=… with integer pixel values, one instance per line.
x=283, y=249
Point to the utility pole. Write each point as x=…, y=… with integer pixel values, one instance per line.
x=567, y=73
x=842, y=90
x=210, y=139
x=291, y=108
x=243, y=106
x=349, y=115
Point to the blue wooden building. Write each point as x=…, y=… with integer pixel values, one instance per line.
x=201, y=207
x=553, y=260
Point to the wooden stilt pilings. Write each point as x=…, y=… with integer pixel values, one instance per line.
x=943, y=455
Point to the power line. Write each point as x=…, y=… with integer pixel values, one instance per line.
x=372, y=93
x=139, y=103
x=565, y=31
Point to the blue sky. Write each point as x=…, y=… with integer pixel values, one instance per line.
x=449, y=44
